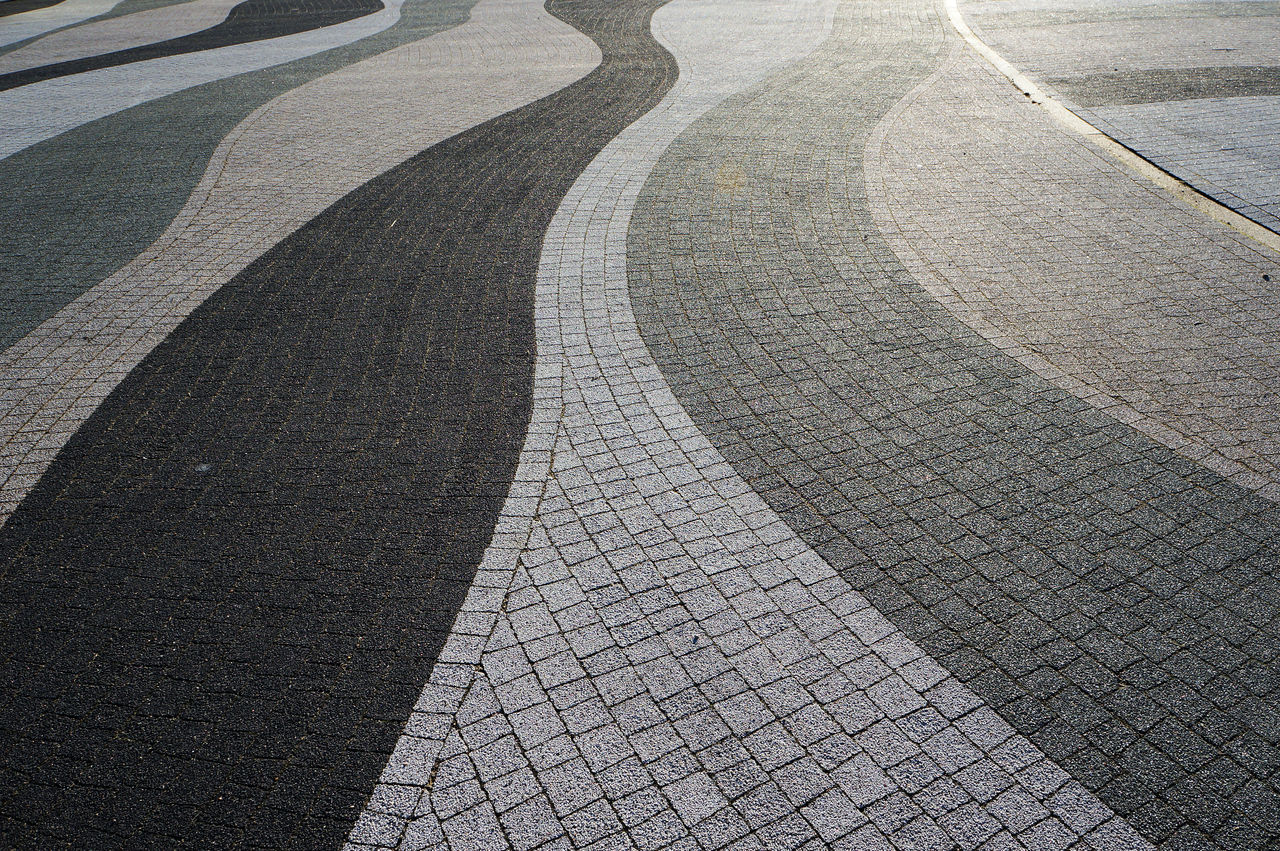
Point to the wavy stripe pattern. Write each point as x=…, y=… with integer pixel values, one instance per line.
x=58, y=374
x=46, y=109
x=307, y=485
x=1114, y=602
x=71, y=227
x=1187, y=352
x=107, y=35
x=28, y=20
x=649, y=648
x=248, y=22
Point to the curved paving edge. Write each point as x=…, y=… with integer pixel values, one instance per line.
x=89, y=201
x=225, y=657
x=17, y=7
x=622, y=673
x=107, y=35
x=57, y=375
x=46, y=109
x=248, y=22
x=31, y=22
x=1112, y=601
x=1088, y=276
x=125, y=7
x=1214, y=153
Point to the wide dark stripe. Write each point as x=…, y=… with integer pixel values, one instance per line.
x=86, y=202
x=1113, y=601
x=252, y=20
x=16, y=7
x=222, y=600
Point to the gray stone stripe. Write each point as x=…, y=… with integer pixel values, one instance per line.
x=85, y=203
x=46, y=109
x=126, y=7
x=25, y=25
x=1129, y=87
x=280, y=167
x=1081, y=270
x=1227, y=148
x=1112, y=601
x=1053, y=12
x=117, y=33
x=648, y=651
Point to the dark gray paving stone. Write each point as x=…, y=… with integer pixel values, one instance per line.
x=252, y=20
x=222, y=600
x=86, y=202
x=1112, y=601
x=1126, y=87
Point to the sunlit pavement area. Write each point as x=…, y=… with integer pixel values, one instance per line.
x=658, y=424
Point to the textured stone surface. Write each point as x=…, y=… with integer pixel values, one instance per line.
x=45, y=109
x=117, y=33
x=649, y=657
x=711, y=454
x=88, y=201
x=1192, y=87
x=1113, y=601
x=23, y=19
x=223, y=597
x=1094, y=279
x=508, y=54
x=248, y=21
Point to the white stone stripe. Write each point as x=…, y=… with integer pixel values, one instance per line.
x=42, y=110
x=24, y=25
x=107, y=36
x=281, y=166
x=642, y=617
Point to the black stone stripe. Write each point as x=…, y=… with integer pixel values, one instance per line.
x=17, y=7
x=83, y=204
x=1119, y=88
x=252, y=20
x=222, y=600
x=1113, y=601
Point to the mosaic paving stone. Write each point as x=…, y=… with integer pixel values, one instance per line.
x=107, y=35
x=90, y=200
x=506, y=55
x=249, y=21
x=1163, y=79
x=1167, y=320
x=1114, y=602
x=648, y=655
x=205, y=550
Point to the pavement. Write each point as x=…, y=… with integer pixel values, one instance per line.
x=655, y=424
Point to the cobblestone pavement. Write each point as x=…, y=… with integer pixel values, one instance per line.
x=1041, y=552
x=1194, y=87
x=72, y=228
x=508, y=54
x=1167, y=321
x=249, y=21
x=663, y=424
x=108, y=35
x=26, y=19
x=265, y=719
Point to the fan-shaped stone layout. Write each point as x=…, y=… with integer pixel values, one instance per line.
x=611, y=424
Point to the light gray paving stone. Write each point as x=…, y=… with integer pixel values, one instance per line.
x=1087, y=275
x=53, y=379
x=25, y=25
x=117, y=33
x=44, y=109
x=593, y=370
